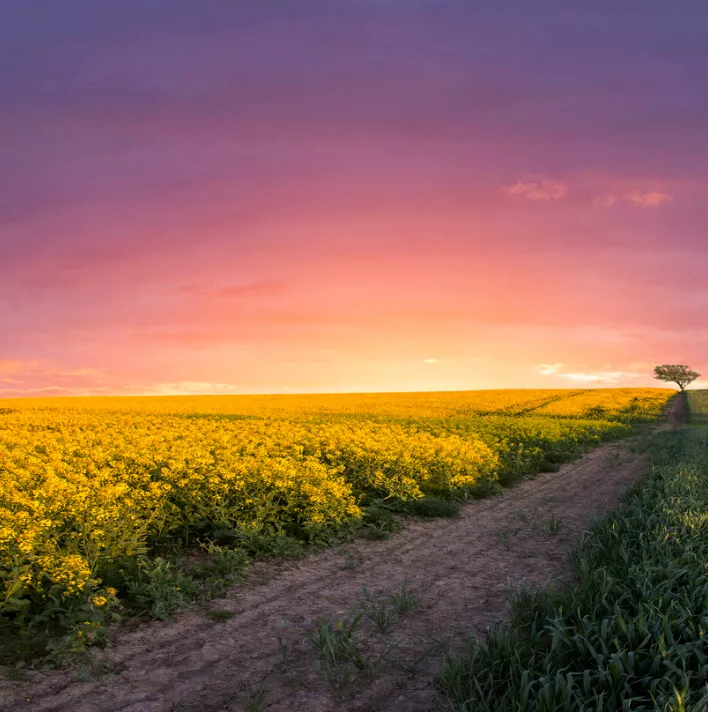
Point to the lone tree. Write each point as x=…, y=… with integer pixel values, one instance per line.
x=681, y=375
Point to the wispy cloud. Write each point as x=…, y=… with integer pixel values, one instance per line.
x=649, y=200
x=35, y=377
x=431, y=360
x=604, y=376
x=606, y=201
x=192, y=388
x=637, y=198
x=17, y=371
x=54, y=391
x=548, y=369
x=600, y=376
x=537, y=188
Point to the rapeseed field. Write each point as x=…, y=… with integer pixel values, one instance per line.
x=95, y=491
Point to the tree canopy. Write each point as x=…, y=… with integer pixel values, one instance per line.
x=676, y=373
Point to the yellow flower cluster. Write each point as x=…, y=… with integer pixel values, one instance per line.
x=85, y=482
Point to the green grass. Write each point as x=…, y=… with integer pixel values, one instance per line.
x=339, y=657
x=631, y=632
x=383, y=611
x=431, y=507
x=698, y=407
x=220, y=615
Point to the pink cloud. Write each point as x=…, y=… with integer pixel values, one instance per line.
x=537, y=188
x=606, y=201
x=649, y=200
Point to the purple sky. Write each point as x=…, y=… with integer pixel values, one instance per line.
x=240, y=197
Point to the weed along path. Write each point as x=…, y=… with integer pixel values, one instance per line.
x=260, y=647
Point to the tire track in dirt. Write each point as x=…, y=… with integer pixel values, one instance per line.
x=463, y=569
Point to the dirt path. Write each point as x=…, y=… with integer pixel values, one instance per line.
x=461, y=569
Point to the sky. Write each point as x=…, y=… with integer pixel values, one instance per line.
x=350, y=195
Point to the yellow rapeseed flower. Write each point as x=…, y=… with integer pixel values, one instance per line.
x=86, y=482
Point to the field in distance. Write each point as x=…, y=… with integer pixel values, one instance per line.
x=445, y=404
x=114, y=502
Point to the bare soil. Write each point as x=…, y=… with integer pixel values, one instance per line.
x=463, y=571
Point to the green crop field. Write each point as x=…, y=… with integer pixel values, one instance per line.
x=698, y=407
x=630, y=632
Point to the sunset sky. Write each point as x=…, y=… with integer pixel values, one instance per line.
x=334, y=195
